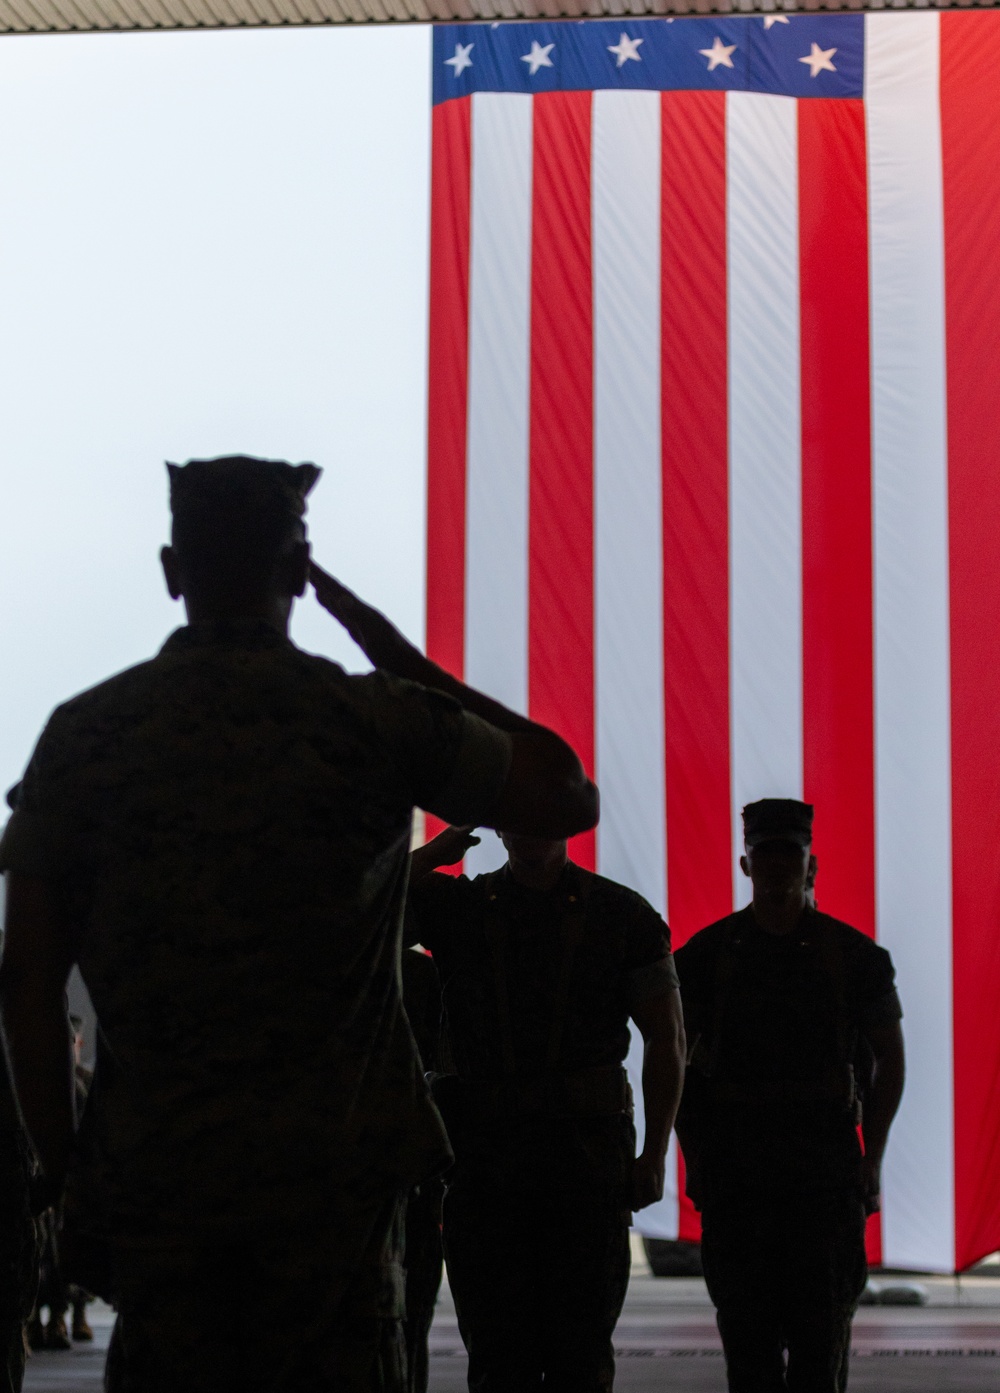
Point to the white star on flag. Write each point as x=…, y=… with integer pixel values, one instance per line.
x=461, y=60
x=625, y=49
x=819, y=60
x=719, y=54
x=538, y=57
x=774, y=19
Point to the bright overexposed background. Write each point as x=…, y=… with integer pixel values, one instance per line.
x=211, y=243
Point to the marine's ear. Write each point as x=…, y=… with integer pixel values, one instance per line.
x=744, y=865
x=171, y=572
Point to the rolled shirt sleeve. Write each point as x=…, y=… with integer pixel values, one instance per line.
x=644, y=982
x=454, y=763
x=876, y=997
x=648, y=962
x=34, y=841
x=478, y=775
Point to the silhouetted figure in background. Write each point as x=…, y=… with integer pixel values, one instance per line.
x=776, y=998
x=422, y=1255
x=18, y=1233
x=18, y=1253
x=52, y=1294
x=56, y=1294
x=542, y=964
x=219, y=837
x=83, y=1078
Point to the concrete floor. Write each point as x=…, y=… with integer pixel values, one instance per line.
x=667, y=1340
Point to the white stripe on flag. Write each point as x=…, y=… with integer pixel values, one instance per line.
x=628, y=570
x=496, y=611
x=628, y=566
x=765, y=509
x=911, y=618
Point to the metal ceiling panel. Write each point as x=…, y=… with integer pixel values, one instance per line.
x=83, y=16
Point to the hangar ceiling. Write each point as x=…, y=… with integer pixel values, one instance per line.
x=92, y=16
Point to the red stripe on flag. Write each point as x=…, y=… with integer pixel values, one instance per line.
x=970, y=133
x=695, y=509
x=561, y=502
x=837, y=652
x=448, y=375
x=448, y=382
x=837, y=618
x=695, y=519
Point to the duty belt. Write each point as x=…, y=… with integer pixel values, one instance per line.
x=599, y=1092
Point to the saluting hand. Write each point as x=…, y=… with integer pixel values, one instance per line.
x=451, y=845
x=446, y=849
x=376, y=636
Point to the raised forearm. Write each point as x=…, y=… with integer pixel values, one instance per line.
x=384, y=645
x=393, y=652
x=446, y=849
x=423, y=862
x=430, y=675
x=547, y=792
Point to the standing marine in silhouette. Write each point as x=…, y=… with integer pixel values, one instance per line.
x=777, y=999
x=542, y=965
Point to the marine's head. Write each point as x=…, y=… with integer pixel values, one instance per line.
x=777, y=835
x=238, y=540
x=534, y=859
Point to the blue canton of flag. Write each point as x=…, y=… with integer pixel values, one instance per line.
x=791, y=56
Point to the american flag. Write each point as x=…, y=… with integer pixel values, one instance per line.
x=714, y=485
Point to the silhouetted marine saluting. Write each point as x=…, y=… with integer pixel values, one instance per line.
x=219, y=837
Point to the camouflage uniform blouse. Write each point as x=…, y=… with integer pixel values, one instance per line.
x=229, y=825
x=623, y=958
x=772, y=1031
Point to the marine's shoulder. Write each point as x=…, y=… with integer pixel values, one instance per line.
x=850, y=939
x=601, y=889
x=394, y=699
x=323, y=671
x=868, y=965
x=713, y=936
x=107, y=696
